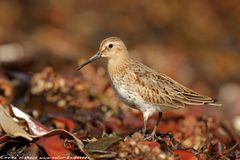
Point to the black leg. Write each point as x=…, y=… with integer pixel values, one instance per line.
x=157, y=122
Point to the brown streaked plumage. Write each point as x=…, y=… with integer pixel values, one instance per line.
x=143, y=87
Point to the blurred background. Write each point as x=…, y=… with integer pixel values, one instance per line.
x=195, y=42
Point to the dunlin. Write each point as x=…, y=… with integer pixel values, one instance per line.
x=142, y=87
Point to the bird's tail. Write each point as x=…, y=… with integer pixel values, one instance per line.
x=214, y=103
x=197, y=99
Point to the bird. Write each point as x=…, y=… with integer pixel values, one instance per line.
x=142, y=87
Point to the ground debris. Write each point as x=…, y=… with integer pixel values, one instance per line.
x=72, y=91
x=136, y=148
x=102, y=131
x=88, y=110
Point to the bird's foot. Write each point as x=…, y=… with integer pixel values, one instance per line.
x=150, y=137
x=147, y=136
x=154, y=136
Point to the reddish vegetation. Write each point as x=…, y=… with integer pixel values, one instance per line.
x=182, y=136
x=47, y=109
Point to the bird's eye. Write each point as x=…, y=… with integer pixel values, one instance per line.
x=110, y=45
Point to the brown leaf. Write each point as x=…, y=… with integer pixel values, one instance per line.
x=48, y=140
x=102, y=144
x=67, y=135
x=36, y=128
x=53, y=146
x=10, y=127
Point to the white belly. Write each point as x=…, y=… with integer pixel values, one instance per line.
x=132, y=98
x=128, y=96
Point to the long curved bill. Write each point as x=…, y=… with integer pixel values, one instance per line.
x=93, y=58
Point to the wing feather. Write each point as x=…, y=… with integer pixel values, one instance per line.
x=166, y=91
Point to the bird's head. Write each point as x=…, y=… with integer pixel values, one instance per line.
x=110, y=48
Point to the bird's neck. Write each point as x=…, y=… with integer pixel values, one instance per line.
x=118, y=64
